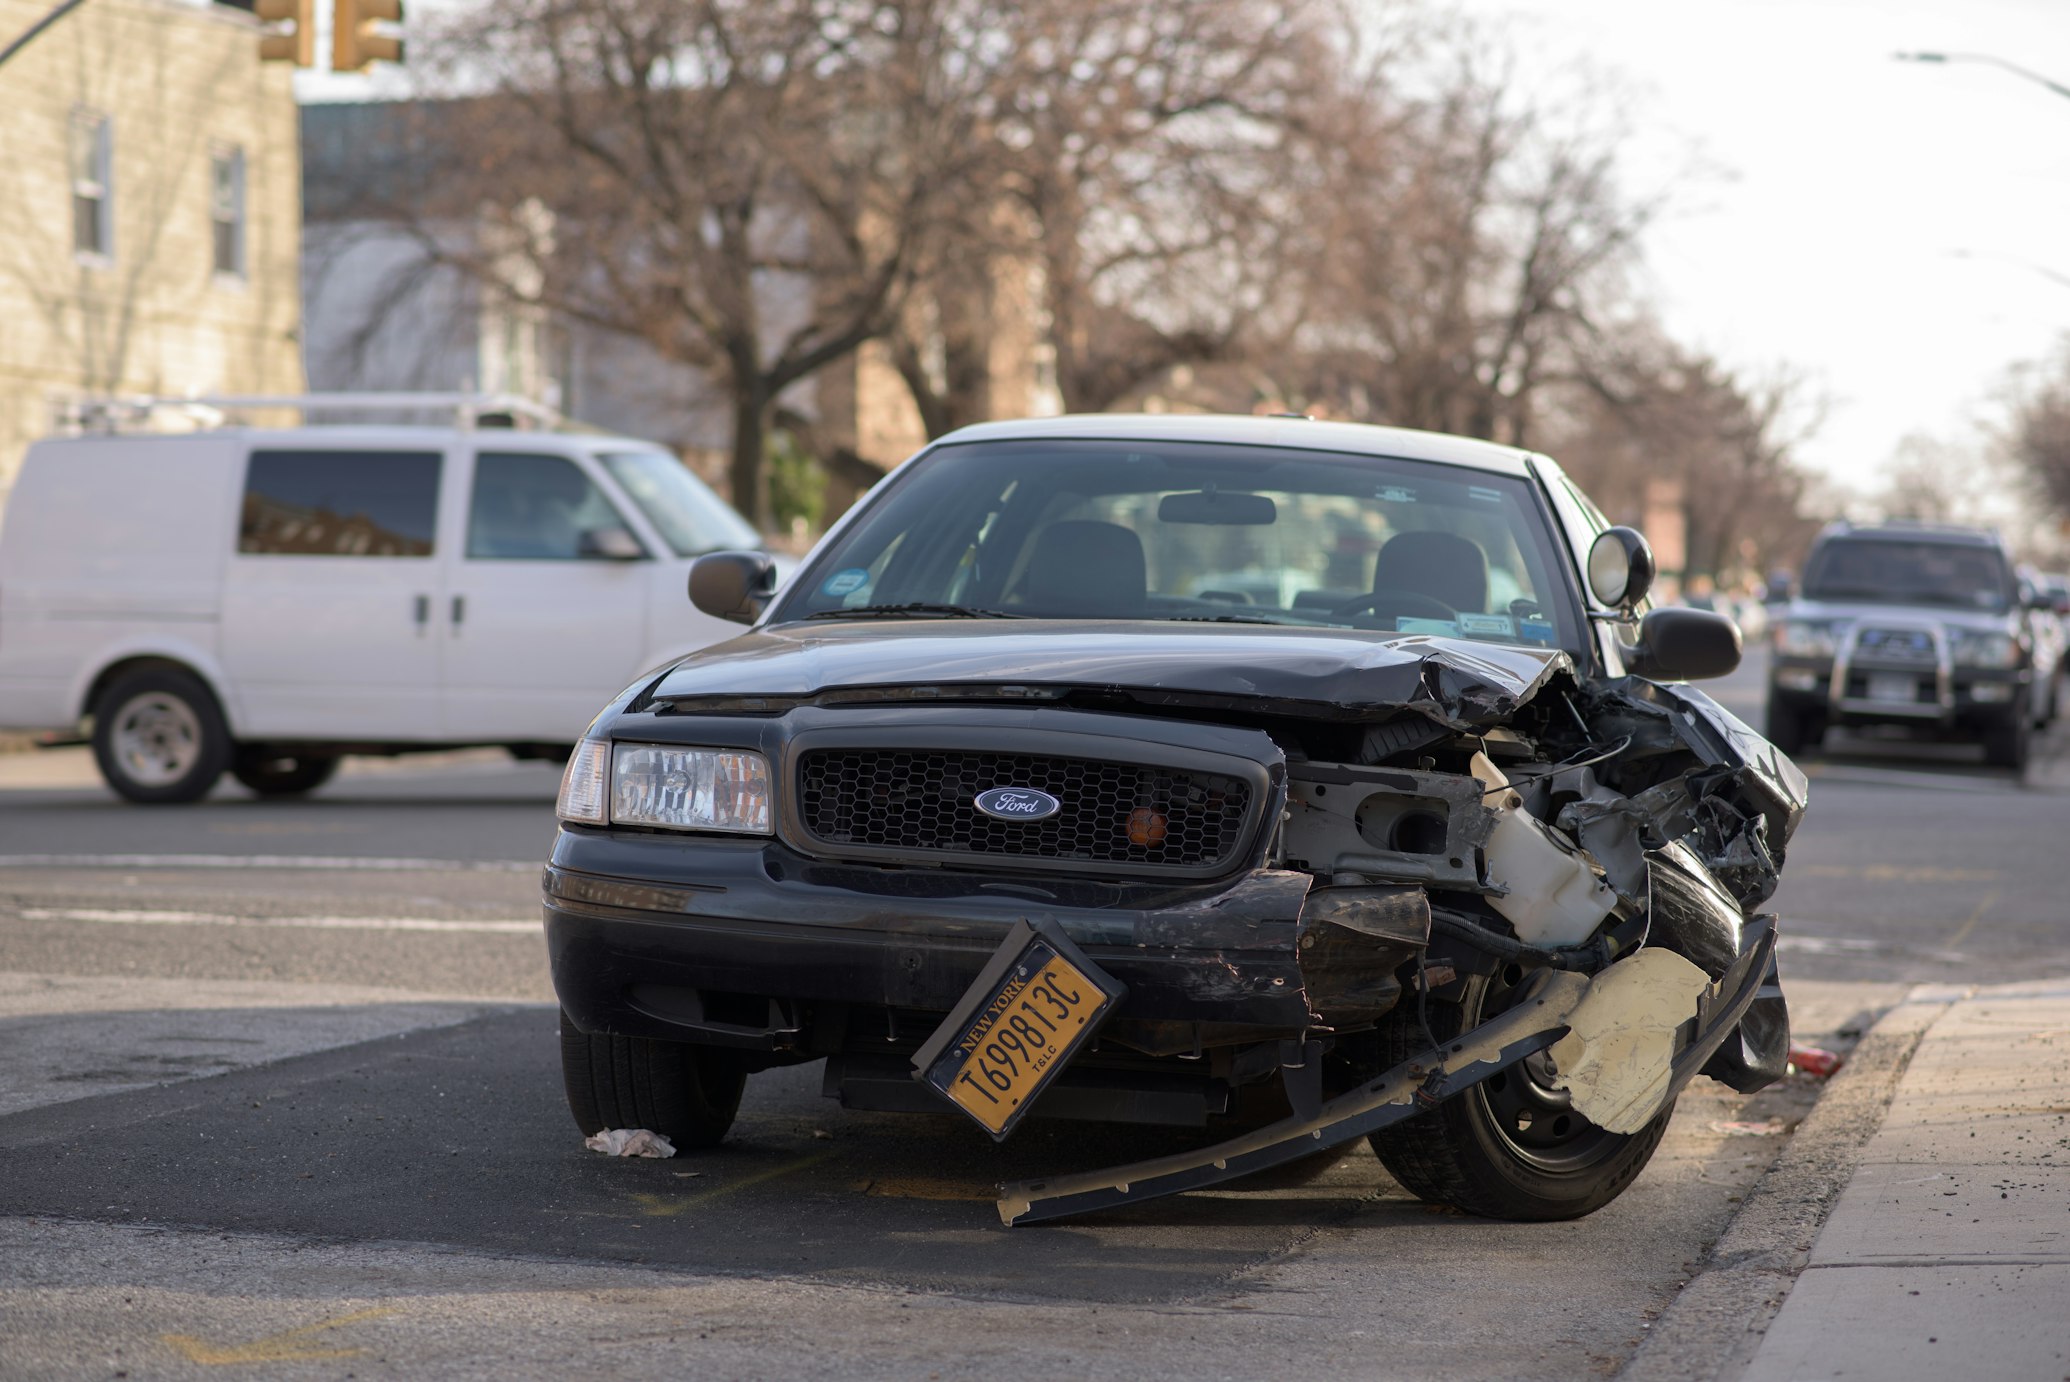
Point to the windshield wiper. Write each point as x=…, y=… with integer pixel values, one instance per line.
x=913, y=607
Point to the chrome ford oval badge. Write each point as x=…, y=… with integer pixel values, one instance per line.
x=1017, y=804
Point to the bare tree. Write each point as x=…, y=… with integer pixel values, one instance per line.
x=748, y=187
x=2037, y=436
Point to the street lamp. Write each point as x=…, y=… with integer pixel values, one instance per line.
x=1990, y=61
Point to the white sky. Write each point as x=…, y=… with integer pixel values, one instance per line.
x=1874, y=221
x=1874, y=224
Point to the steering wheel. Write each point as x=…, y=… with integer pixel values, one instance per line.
x=1397, y=602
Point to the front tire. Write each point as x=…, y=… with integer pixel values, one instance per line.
x=1511, y=1147
x=282, y=775
x=2009, y=741
x=1792, y=728
x=689, y=1094
x=159, y=736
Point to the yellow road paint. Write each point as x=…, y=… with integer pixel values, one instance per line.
x=1974, y=917
x=926, y=1188
x=669, y=1206
x=1895, y=873
x=288, y=1346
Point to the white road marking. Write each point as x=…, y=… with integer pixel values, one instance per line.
x=265, y=861
x=142, y=917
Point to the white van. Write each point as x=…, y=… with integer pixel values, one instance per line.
x=263, y=601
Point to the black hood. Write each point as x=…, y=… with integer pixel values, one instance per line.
x=1319, y=672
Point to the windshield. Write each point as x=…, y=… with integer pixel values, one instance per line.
x=1229, y=534
x=691, y=519
x=1899, y=572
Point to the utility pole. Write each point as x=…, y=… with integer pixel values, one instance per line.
x=38, y=27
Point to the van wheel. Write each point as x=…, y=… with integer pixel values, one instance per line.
x=686, y=1093
x=1512, y=1146
x=282, y=775
x=159, y=736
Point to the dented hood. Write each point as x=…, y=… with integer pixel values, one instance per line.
x=1327, y=672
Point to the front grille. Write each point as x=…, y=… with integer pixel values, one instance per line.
x=922, y=801
x=1897, y=645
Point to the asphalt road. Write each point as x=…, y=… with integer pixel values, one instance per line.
x=279, y=1091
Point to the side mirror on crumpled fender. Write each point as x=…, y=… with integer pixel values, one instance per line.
x=733, y=585
x=1620, y=567
x=1684, y=645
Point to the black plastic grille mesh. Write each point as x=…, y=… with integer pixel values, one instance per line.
x=923, y=800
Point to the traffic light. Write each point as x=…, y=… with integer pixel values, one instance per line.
x=355, y=36
x=295, y=43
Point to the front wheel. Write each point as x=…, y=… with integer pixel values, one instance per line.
x=686, y=1093
x=1791, y=728
x=159, y=737
x=2009, y=742
x=1512, y=1146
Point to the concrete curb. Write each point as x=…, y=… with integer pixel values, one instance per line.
x=1715, y=1325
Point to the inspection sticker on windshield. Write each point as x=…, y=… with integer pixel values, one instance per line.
x=1030, y=1010
x=845, y=582
x=1537, y=630
x=1395, y=494
x=1487, y=625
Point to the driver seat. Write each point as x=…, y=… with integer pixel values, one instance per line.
x=1442, y=565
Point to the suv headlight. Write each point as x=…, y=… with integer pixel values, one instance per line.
x=1804, y=638
x=1979, y=648
x=669, y=788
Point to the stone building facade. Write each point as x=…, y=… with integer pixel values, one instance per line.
x=150, y=211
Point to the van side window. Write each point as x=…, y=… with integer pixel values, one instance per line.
x=340, y=503
x=528, y=507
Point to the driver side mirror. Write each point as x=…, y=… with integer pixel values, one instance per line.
x=733, y=585
x=1620, y=568
x=1684, y=645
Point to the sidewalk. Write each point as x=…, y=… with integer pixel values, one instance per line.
x=1948, y=1253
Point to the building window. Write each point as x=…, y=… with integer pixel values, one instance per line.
x=93, y=186
x=226, y=209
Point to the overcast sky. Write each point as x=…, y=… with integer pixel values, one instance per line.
x=1884, y=224
x=1884, y=227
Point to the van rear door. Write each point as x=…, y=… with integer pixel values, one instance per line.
x=546, y=610
x=329, y=600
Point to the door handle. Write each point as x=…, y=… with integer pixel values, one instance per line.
x=423, y=612
x=459, y=610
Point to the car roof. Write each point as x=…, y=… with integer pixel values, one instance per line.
x=1294, y=433
x=324, y=436
x=1953, y=534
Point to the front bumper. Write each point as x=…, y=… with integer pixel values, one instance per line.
x=1943, y=697
x=745, y=943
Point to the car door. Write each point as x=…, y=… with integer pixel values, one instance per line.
x=327, y=627
x=545, y=612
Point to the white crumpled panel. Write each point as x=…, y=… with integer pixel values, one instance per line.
x=1620, y=1041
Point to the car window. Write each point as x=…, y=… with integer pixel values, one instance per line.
x=528, y=507
x=1204, y=532
x=1899, y=571
x=340, y=503
x=690, y=518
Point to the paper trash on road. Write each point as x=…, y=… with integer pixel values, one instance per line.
x=630, y=1142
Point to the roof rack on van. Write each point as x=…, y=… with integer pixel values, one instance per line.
x=468, y=410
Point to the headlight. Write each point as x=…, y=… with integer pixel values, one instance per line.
x=690, y=789
x=586, y=784
x=1801, y=638
x=1975, y=648
x=676, y=789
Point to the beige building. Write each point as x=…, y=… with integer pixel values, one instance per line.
x=150, y=210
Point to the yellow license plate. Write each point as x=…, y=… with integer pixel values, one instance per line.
x=1020, y=1032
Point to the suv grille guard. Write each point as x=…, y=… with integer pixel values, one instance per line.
x=1942, y=666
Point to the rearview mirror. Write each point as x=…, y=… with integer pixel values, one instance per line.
x=609, y=544
x=733, y=585
x=1684, y=645
x=1213, y=506
x=1620, y=568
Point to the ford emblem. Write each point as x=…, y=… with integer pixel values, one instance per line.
x=1018, y=804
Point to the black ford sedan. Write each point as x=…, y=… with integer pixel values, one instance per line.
x=1153, y=769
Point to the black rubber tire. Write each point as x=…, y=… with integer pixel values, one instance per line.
x=2010, y=741
x=1460, y=1153
x=209, y=737
x=686, y=1093
x=282, y=775
x=1793, y=729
